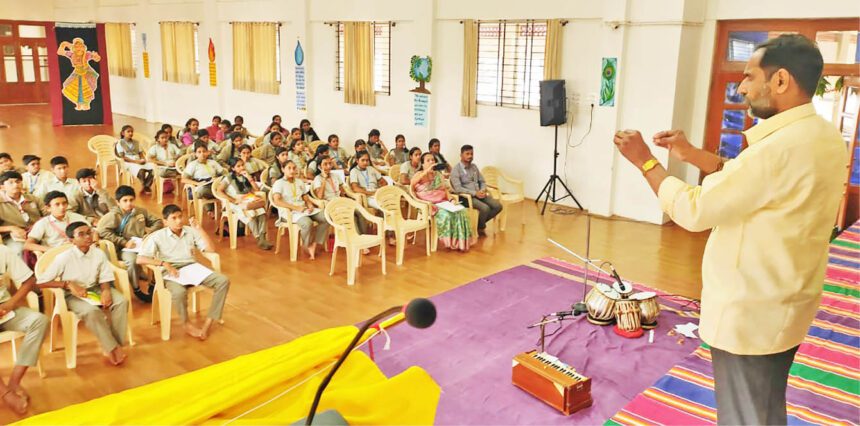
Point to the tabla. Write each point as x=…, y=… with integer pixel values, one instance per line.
x=628, y=317
x=600, y=302
x=649, y=308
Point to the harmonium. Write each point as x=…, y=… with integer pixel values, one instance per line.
x=552, y=381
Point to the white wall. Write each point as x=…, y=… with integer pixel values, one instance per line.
x=664, y=49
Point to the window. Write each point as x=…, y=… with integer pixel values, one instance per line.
x=381, y=57
x=180, y=52
x=510, y=62
x=256, y=58
x=120, y=49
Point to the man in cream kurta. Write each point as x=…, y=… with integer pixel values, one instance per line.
x=771, y=210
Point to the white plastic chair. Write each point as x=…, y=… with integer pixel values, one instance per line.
x=500, y=188
x=389, y=198
x=340, y=214
x=290, y=228
x=103, y=147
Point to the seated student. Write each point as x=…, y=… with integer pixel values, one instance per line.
x=435, y=148
x=327, y=186
x=240, y=189
x=282, y=155
x=216, y=124
x=200, y=172
x=300, y=158
x=83, y=271
x=92, y=202
x=50, y=231
x=7, y=163
x=275, y=127
x=295, y=135
x=171, y=138
x=231, y=150
x=337, y=153
x=121, y=225
x=240, y=121
x=189, y=132
x=364, y=179
x=32, y=323
x=429, y=185
x=466, y=178
x=60, y=181
x=223, y=131
x=18, y=211
x=253, y=166
x=129, y=151
x=290, y=196
x=411, y=167
x=271, y=141
x=377, y=149
x=204, y=137
x=276, y=119
x=164, y=155
x=308, y=133
x=400, y=154
x=171, y=248
x=322, y=152
x=33, y=175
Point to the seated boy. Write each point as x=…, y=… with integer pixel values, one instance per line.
x=33, y=174
x=60, y=181
x=50, y=231
x=18, y=211
x=84, y=272
x=171, y=248
x=121, y=225
x=92, y=202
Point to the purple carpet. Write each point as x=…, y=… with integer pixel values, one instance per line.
x=482, y=325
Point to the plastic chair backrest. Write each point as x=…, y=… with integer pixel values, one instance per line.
x=48, y=257
x=491, y=175
x=388, y=198
x=109, y=249
x=102, y=146
x=394, y=173
x=340, y=213
x=181, y=162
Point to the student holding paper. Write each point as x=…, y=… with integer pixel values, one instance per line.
x=50, y=231
x=171, y=248
x=240, y=189
x=164, y=155
x=290, y=196
x=84, y=273
x=125, y=226
x=453, y=227
x=32, y=323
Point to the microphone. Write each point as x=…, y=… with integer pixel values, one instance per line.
x=622, y=286
x=419, y=313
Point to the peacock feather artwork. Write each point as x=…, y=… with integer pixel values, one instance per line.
x=607, y=81
x=420, y=69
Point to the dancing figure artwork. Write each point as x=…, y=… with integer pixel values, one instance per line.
x=81, y=85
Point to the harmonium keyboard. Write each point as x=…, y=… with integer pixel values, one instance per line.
x=552, y=381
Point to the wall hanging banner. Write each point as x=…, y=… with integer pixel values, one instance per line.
x=145, y=57
x=301, y=99
x=213, y=78
x=609, y=71
x=81, y=92
x=422, y=105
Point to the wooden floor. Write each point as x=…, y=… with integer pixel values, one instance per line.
x=272, y=300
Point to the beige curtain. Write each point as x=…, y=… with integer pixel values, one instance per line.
x=255, y=66
x=178, y=57
x=120, y=55
x=358, y=63
x=469, y=104
x=552, y=55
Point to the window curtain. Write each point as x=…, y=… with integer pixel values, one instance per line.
x=358, y=63
x=255, y=57
x=178, y=58
x=469, y=102
x=552, y=55
x=120, y=56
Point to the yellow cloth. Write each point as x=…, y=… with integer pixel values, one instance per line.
x=219, y=393
x=772, y=210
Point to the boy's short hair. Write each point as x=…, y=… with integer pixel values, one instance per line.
x=70, y=230
x=10, y=174
x=124, y=191
x=59, y=160
x=169, y=210
x=29, y=158
x=52, y=195
x=85, y=173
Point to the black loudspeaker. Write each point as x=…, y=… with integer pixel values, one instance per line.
x=553, y=108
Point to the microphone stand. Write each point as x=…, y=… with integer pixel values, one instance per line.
x=343, y=356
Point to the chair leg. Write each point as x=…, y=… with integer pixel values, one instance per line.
x=351, y=265
x=159, y=190
x=278, y=236
x=165, y=305
x=294, y=243
x=401, y=243
x=333, y=260
x=129, y=323
x=70, y=338
x=14, y=351
x=426, y=238
x=382, y=249
x=53, y=330
x=194, y=308
x=233, y=223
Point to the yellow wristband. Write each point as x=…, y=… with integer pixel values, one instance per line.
x=650, y=164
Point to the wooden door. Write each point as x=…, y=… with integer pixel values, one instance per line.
x=24, y=63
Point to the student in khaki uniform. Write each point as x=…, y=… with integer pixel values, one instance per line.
x=199, y=173
x=82, y=270
x=32, y=323
x=33, y=174
x=59, y=181
x=164, y=155
x=120, y=225
x=18, y=211
x=50, y=231
x=92, y=202
x=338, y=154
x=171, y=248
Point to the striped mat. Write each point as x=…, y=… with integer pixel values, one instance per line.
x=824, y=381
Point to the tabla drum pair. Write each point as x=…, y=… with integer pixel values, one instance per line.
x=648, y=307
x=600, y=302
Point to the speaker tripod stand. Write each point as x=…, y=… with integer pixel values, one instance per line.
x=550, y=187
